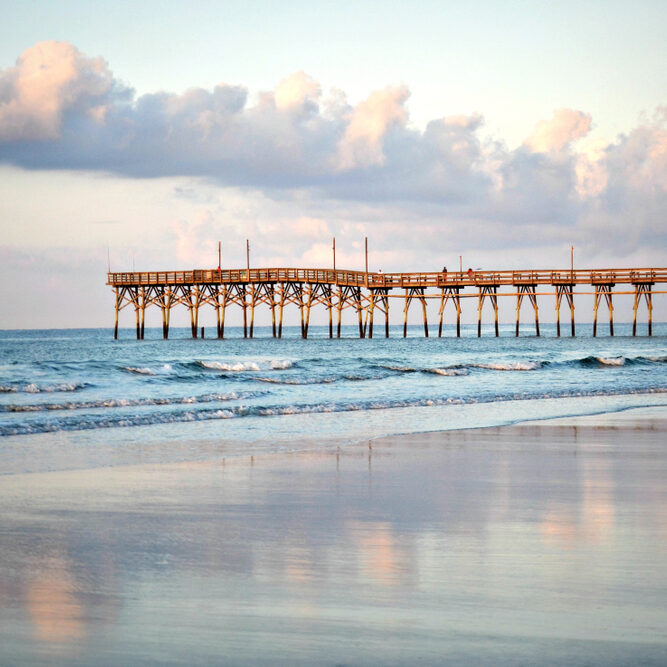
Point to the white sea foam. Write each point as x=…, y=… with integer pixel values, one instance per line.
x=125, y=402
x=450, y=372
x=223, y=414
x=511, y=366
x=612, y=361
x=281, y=364
x=236, y=366
x=33, y=388
x=139, y=371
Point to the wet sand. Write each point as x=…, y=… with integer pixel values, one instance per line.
x=539, y=543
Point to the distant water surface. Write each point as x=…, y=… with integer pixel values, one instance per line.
x=77, y=398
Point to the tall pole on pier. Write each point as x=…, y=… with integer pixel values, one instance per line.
x=219, y=254
x=247, y=256
x=366, y=251
x=334, y=253
x=571, y=262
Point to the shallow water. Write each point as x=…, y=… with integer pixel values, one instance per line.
x=81, y=399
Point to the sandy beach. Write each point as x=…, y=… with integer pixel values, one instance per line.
x=542, y=542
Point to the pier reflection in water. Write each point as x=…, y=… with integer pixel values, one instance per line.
x=516, y=544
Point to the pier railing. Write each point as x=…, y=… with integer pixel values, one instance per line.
x=390, y=280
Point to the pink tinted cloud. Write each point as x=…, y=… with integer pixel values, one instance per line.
x=369, y=121
x=566, y=126
x=49, y=78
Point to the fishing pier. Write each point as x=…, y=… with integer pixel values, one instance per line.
x=369, y=293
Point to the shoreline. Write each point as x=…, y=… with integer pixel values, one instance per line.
x=625, y=417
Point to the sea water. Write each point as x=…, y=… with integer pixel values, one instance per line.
x=78, y=398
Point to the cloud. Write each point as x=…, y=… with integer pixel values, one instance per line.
x=49, y=79
x=629, y=210
x=566, y=126
x=296, y=92
x=369, y=121
x=314, y=150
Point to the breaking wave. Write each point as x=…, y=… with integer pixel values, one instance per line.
x=93, y=421
x=129, y=402
x=239, y=366
x=449, y=372
x=139, y=371
x=34, y=388
x=511, y=366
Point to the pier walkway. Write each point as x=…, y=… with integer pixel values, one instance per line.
x=368, y=292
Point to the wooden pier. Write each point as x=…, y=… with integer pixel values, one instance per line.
x=368, y=293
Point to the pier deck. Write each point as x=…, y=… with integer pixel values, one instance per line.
x=366, y=292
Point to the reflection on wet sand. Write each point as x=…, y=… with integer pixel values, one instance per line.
x=51, y=602
x=381, y=560
x=593, y=519
x=482, y=546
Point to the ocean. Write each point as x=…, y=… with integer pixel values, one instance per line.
x=78, y=399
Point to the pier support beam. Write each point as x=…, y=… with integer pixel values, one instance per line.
x=223, y=310
x=410, y=294
x=193, y=301
x=137, y=309
x=359, y=307
x=530, y=292
x=567, y=291
x=244, y=305
x=165, y=300
x=490, y=291
x=253, y=290
x=349, y=296
x=115, y=328
x=643, y=291
x=453, y=294
x=142, y=302
x=379, y=298
x=309, y=304
x=603, y=290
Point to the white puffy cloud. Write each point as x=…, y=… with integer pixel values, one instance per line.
x=369, y=121
x=49, y=79
x=566, y=126
x=60, y=109
x=296, y=91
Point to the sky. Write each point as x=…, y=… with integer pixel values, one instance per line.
x=140, y=134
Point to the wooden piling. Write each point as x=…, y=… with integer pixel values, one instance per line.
x=115, y=328
x=529, y=291
x=446, y=294
x=603, y=290
x=244, y=305
x=370, y=312
x=564, y=290
x=309, y=303
x=223, y=310
x=410, y=294
x=643, y=291
x=357, y=296
x=423, y=300
x=218, y=328
x=136, y=311
x=489, y=291
x=386, y=315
